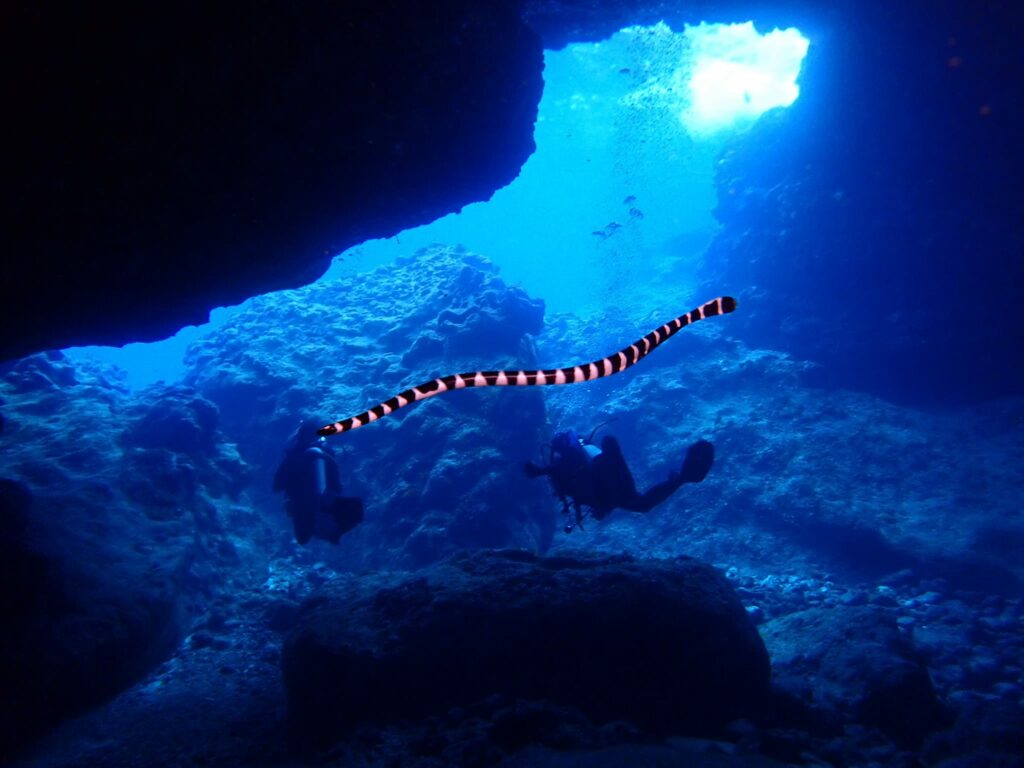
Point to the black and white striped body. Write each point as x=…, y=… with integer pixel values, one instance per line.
x=575, y=374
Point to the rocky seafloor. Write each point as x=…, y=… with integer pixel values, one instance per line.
x=160, y=613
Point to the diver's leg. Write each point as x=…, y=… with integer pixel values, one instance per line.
x=610, y=476
x=654, y=495
x=348, y=511
x=698, y=461
x=303, y=520
x=338, y=516
x=696, y=465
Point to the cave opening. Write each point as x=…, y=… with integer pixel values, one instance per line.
x=614, y=209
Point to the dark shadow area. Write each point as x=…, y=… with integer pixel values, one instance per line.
x=873, y=226
x=863, y=553
x=166, y=160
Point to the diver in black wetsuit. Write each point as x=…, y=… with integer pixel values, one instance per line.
x=309, y=478
x=584, y=476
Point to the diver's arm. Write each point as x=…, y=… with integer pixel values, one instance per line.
x=535, y=470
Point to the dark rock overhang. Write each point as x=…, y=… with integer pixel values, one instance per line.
x=162, y=161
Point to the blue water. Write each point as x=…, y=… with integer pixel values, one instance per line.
x=863, y=510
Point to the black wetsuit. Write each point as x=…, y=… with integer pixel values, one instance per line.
x=309, y=478
x=601, y=480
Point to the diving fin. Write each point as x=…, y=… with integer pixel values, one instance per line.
x=347, y=512
x=697, y=463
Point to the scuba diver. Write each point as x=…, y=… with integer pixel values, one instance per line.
x=583, y=475
x=309, y=478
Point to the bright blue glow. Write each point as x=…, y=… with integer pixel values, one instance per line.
x=736, y=74
x=614, y=195
x=145, y=363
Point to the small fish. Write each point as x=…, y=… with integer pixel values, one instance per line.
x=630, y=199
x=599, y=233
x=612, y=226
x=636, y=213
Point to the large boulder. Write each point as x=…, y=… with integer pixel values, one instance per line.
x=856, y=664
x=664, y=645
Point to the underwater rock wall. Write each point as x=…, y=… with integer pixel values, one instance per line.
x=115, y=536
x=830, y=479
x=435, y=477
x=809, y=529
x=170, y=160
x=664, y=645
x=873, y=226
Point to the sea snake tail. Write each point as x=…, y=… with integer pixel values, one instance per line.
x=575, y=374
